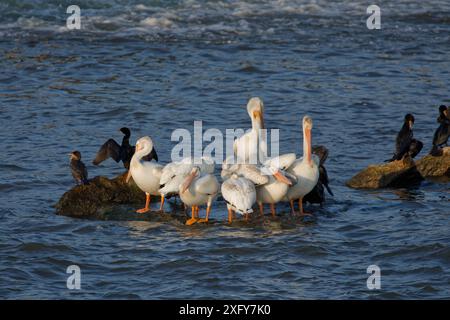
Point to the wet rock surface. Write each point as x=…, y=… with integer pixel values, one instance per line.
x=407, y=173
x=100, y=194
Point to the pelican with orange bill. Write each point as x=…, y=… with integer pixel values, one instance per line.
x=196, y=190
x=276, y=188
x=305, y=169
x=252, y=146
x=145, y=174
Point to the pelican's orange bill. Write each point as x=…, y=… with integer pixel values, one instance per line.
x=128, y=176
x=280, y=177
x=308, y=141
x=187, y=182
x=258, y=114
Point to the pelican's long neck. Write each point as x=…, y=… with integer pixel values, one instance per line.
x=260, y=133
x=257, y=123
x=307, y=144
x=138, y=155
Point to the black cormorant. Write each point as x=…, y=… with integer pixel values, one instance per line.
x=405, y=144
x=442, y=133
x=317, y=195
x=122, y=152
x=79, y=171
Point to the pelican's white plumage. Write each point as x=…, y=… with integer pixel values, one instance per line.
x=252, y=146
x=239, y=193
x=281, y=162
x=174, y=173
x=145, y=174
x=305, y=169
x=171, y=187
x=276, y=188
x=238, y=188
x=249, y=171
x=198, y=189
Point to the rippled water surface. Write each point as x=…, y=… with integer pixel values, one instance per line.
x=159, y=65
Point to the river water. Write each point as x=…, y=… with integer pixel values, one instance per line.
x=156, y=66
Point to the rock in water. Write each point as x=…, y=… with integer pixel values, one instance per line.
x=393, y=174
x=90, y=200
x=399, y=174
x=435, y=168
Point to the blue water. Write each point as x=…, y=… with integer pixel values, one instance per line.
x=156, y=66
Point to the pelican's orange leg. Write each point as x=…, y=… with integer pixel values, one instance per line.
x=272, y=210
x=161, y=207
x=197, y=210
x=147, y=204
x=261, y=209
x=230, y=216
x=208, y=211
x=291, y=202
x=193, y=219
x=300, y=208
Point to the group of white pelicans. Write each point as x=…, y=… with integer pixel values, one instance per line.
x=270, y=181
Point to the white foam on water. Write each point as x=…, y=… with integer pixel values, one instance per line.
x=31, y=23
x=158, y=22
x=142, y=7
x=194, y=17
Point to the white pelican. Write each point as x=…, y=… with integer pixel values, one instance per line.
x=198, y=189
x=145, y=174
x=240, y=195
x=252, y=146
x=174, y=173
x=275, y=190
x=238, y=188
x=248, y=171
x=306, y=169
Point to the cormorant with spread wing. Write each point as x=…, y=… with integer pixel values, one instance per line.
x=123, y=152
